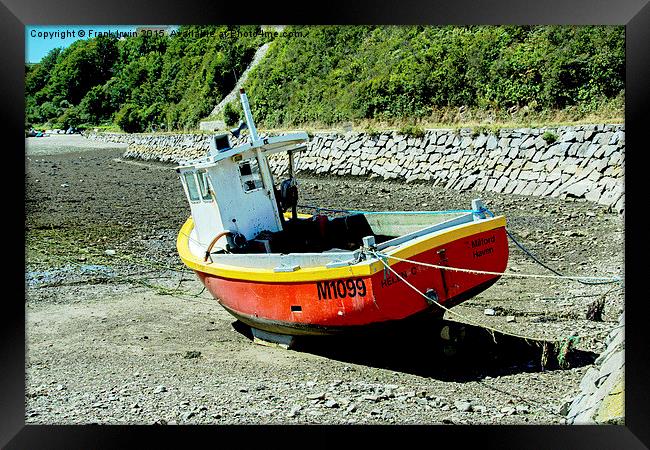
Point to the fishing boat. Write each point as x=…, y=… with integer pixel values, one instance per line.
x=286, y=274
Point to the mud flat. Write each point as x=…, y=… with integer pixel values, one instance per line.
x=65, y=143
x=117, y=332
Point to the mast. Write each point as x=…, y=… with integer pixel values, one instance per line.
x=265, y=170
x=249, y=117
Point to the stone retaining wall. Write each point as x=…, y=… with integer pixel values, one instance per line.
x=602, y=389
x=585, y=161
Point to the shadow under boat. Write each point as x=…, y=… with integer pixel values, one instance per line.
x=440, y=349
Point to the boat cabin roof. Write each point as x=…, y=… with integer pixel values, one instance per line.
x=293, y=142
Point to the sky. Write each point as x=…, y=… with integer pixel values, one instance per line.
x=39, y=40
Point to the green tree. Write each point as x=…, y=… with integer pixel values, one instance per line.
x=130, y=118
x=86, y=63
x=330, y=74
x=95, y=107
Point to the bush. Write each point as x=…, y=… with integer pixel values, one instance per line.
x=339, y=73
x=95, y=107
x=549, y=137
x=70, y=118
x=412, y=131
x=332, y=74
x=482, y=129
x=130, y=118
x=177, y=78
x=231, y=114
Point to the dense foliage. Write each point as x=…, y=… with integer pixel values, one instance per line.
x=329, y=75
x=140, y=83
x=345, y=73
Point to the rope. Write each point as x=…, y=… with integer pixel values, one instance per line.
x=149, y=263
x=482, y=210
x=486, y=272
x=199, y=243
x=536, y=259
x=492, y=330
x=162, y=290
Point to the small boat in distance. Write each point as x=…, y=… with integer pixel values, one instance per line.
x=287, y=274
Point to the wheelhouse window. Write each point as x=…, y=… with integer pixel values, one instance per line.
x=204, y=186
x=249, y=172
x=192, y=190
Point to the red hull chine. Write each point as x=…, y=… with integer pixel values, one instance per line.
x=332, y=306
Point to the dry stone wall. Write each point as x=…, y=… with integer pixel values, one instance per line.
x=602, y=390
x=585, y=161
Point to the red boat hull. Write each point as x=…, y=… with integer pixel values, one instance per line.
x=348, y=304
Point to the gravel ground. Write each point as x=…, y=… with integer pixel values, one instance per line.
x=118, y=332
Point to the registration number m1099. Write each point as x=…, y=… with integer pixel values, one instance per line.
x=335, y=289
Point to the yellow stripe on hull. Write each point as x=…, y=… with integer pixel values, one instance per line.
x=323, y=273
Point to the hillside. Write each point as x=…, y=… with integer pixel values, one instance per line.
x=369, y=75
x=338, y=74
x=166, y=82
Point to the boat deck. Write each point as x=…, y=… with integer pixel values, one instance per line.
x=395, y=230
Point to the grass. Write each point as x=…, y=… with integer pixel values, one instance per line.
x=110, y=127
x=412, y=131
x=478, y=120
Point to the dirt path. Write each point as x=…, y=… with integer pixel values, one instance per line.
x=105, y=344
x=260, y=53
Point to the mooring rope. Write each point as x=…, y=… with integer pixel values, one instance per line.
x=537, y=260
x=199, y=243
x=382, y=256
x=534, y=258
x=483, y=210
x=162, y=290
x=562, y=343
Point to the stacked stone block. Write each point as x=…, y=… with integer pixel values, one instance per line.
x=602, y=390
x=584, y=161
